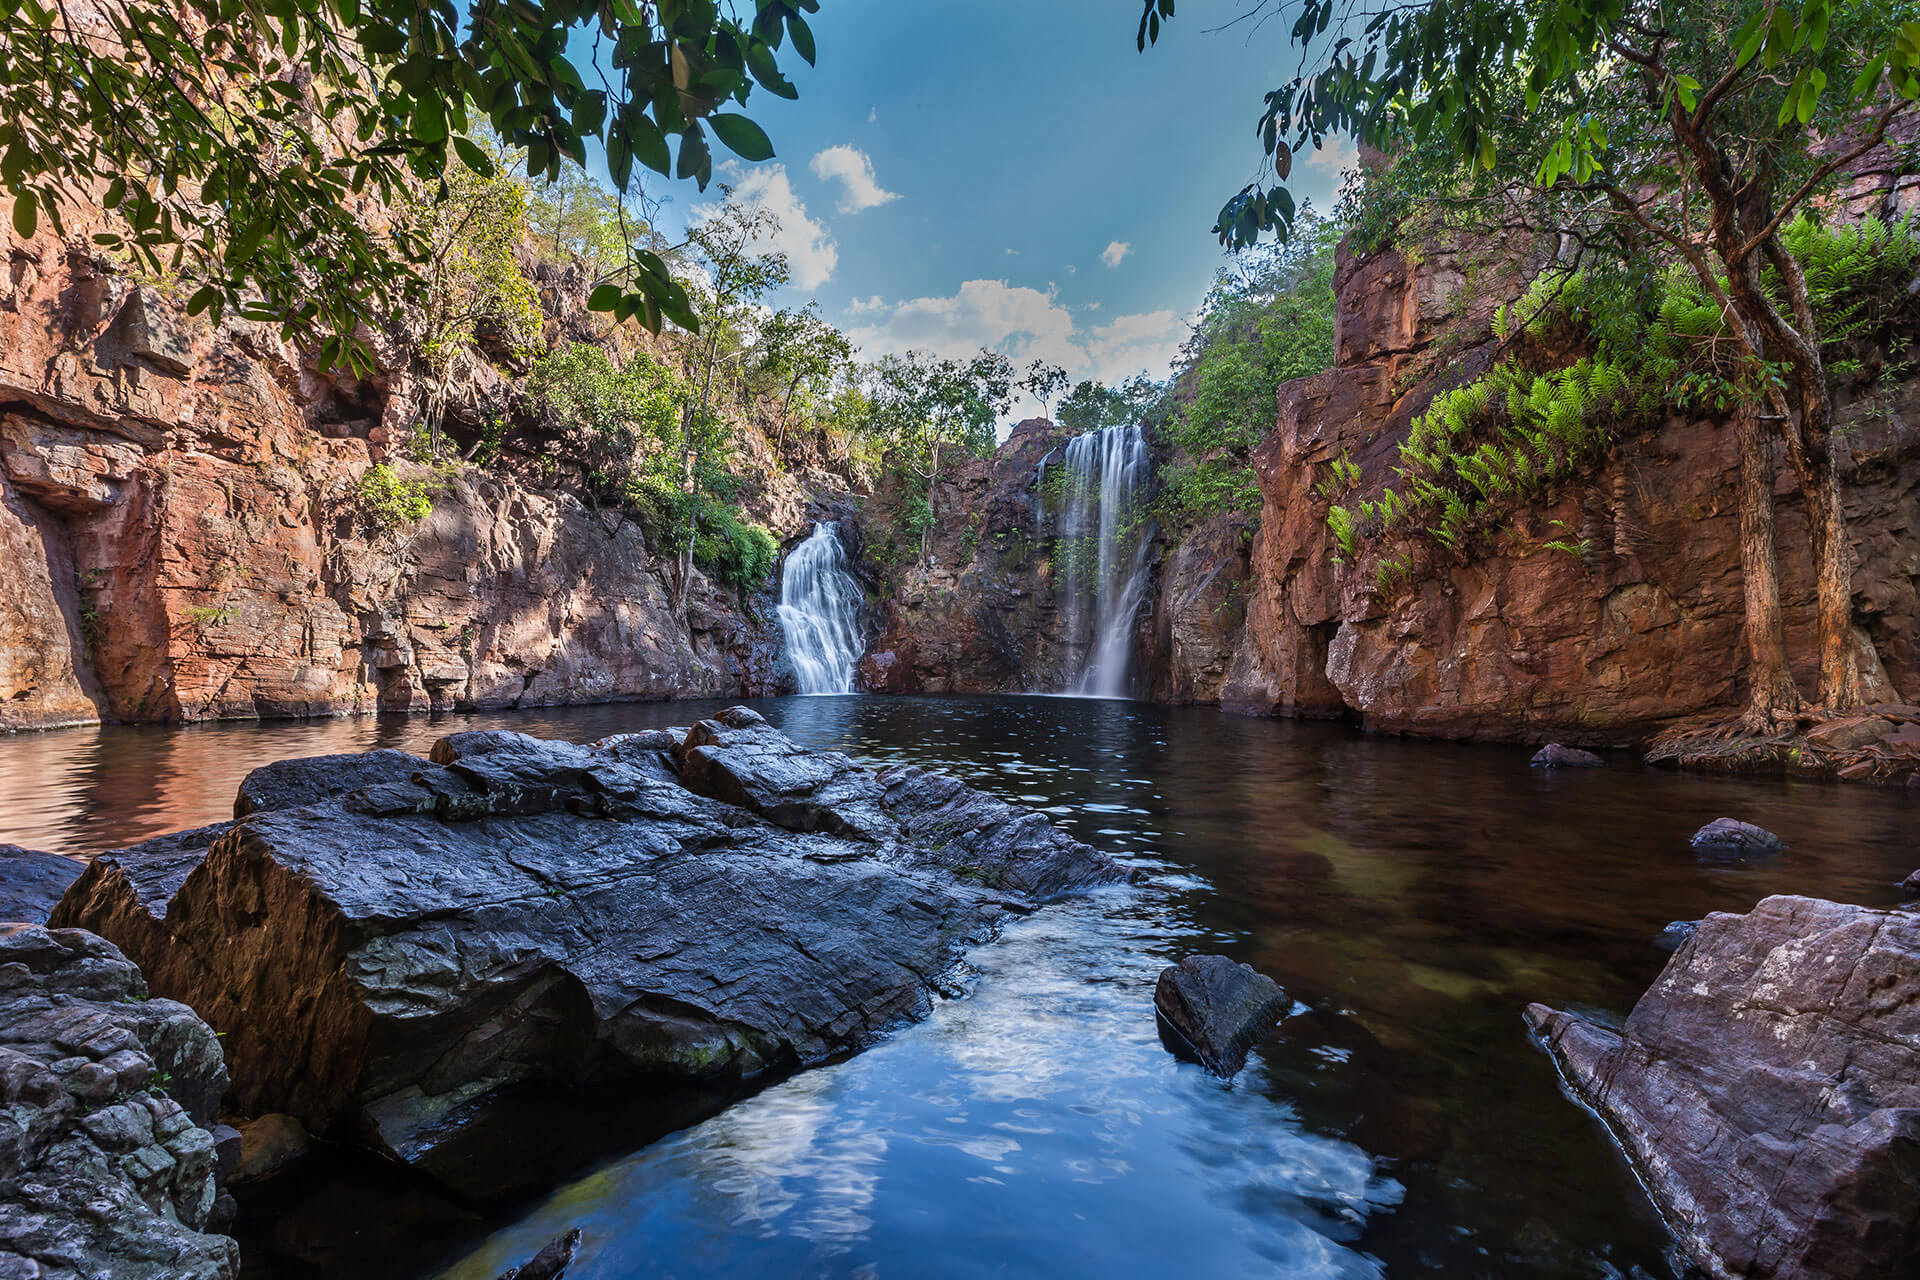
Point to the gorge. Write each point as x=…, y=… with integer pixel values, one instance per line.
x=604, y=676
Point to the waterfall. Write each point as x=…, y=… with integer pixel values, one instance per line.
x=1100, y=553
x=820, y=613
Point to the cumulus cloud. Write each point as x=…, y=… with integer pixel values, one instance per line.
x=812, y=253
x=852, y=168
x=1026, y=324
x=1331, y=162
x=866, y=306
x=1115, y=253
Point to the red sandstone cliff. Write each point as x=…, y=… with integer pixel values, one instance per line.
x=180, y=539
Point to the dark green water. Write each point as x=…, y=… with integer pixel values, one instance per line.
x=1411, y=897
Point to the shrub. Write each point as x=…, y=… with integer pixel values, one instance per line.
x=387, y=501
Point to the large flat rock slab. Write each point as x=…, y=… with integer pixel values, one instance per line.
x=385, y=940
x=32, y=881
x=1767, y=1088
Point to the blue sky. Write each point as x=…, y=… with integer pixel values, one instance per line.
x=1012, y=173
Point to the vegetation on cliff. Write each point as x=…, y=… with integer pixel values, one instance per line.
x=1627, y=139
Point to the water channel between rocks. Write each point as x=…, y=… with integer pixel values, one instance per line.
x=1411, y=897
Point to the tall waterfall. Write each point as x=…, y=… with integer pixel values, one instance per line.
x=820, y=613
x=1101, y=551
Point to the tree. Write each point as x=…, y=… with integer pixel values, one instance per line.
x=1043, y=381
x=799, y=348
x=1092, y=405
x=930, y=406
x=240, y=145
x=471, y=276
x=622, y=422
x=723, y=247
x=1638, y=128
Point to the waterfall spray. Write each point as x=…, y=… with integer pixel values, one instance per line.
x=820, y=613
x=1103, y=558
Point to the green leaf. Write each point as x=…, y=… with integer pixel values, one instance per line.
x=473, y=157
x=802, y=37
x=604, y=298
x=26, y=212
x=743, y=137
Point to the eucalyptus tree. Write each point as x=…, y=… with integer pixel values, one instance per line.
x=732, y=276
x=799, y=348
x=1044, y=381
x=930, y=406
x=240, y=143
x=1634, y=129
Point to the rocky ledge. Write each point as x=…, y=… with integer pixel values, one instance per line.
x=1767, y=1088
x=384, y=941
x=105, y=1168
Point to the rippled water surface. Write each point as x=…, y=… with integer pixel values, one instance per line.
x=1411, y=897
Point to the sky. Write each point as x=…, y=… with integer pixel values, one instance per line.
x=1013, y=174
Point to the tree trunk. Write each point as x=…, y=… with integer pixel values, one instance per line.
x=1771, y=692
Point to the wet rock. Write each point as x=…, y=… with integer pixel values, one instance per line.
x=1911, y=885
x=1676, y=934
x=31, y=882
x=1210, y=1008
x=268, y=1145
x=519, y=911
x=105, y=1168
x=1726, y=837
x=551, y=1262
x=1766, y=1090
x=226, y=1150
x=1555, y=756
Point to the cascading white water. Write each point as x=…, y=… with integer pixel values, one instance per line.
x=1102, y=552
x=820, y=613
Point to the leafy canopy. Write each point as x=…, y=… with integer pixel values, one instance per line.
x=244, y=144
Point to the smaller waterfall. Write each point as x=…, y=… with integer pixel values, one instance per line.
x=1103, y=553
x=820, y=613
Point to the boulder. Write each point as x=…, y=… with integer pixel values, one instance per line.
x=1767, y=1090
x=1911, y=885
x=31, y=882
x=268, y=1145
x=386, y=940
x=1210, y=1009
x=1555, y=756
x=106, y=1169
x=1725, y=837
x=551, y=1262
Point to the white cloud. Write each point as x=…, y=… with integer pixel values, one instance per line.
x=1115, y=253
x=812, y=253
x=866, y=306
x=1025, y=324
x=873, y=114
x=1332, y=162
x=1013, y=253
x=852, y=168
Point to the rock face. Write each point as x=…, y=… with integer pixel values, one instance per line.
x=184, y=541
x=386, y=939
x=1510, y=640
x=105, y=1168
x=1211, y=1009
x=31, y=882
x=1767, y=1088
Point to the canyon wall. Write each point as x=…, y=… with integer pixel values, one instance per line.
x=185, y=538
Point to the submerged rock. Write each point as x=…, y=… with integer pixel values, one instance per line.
x=1767, y=1089
x=1725, y=837
x=1555, y=756
x=551, y=1262
x=105, y=1168
x=31, y=882
x=385, y=940
x=1676, y=935
x=1210, y=1009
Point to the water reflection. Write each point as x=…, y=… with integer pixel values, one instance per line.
x=1411, y=897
